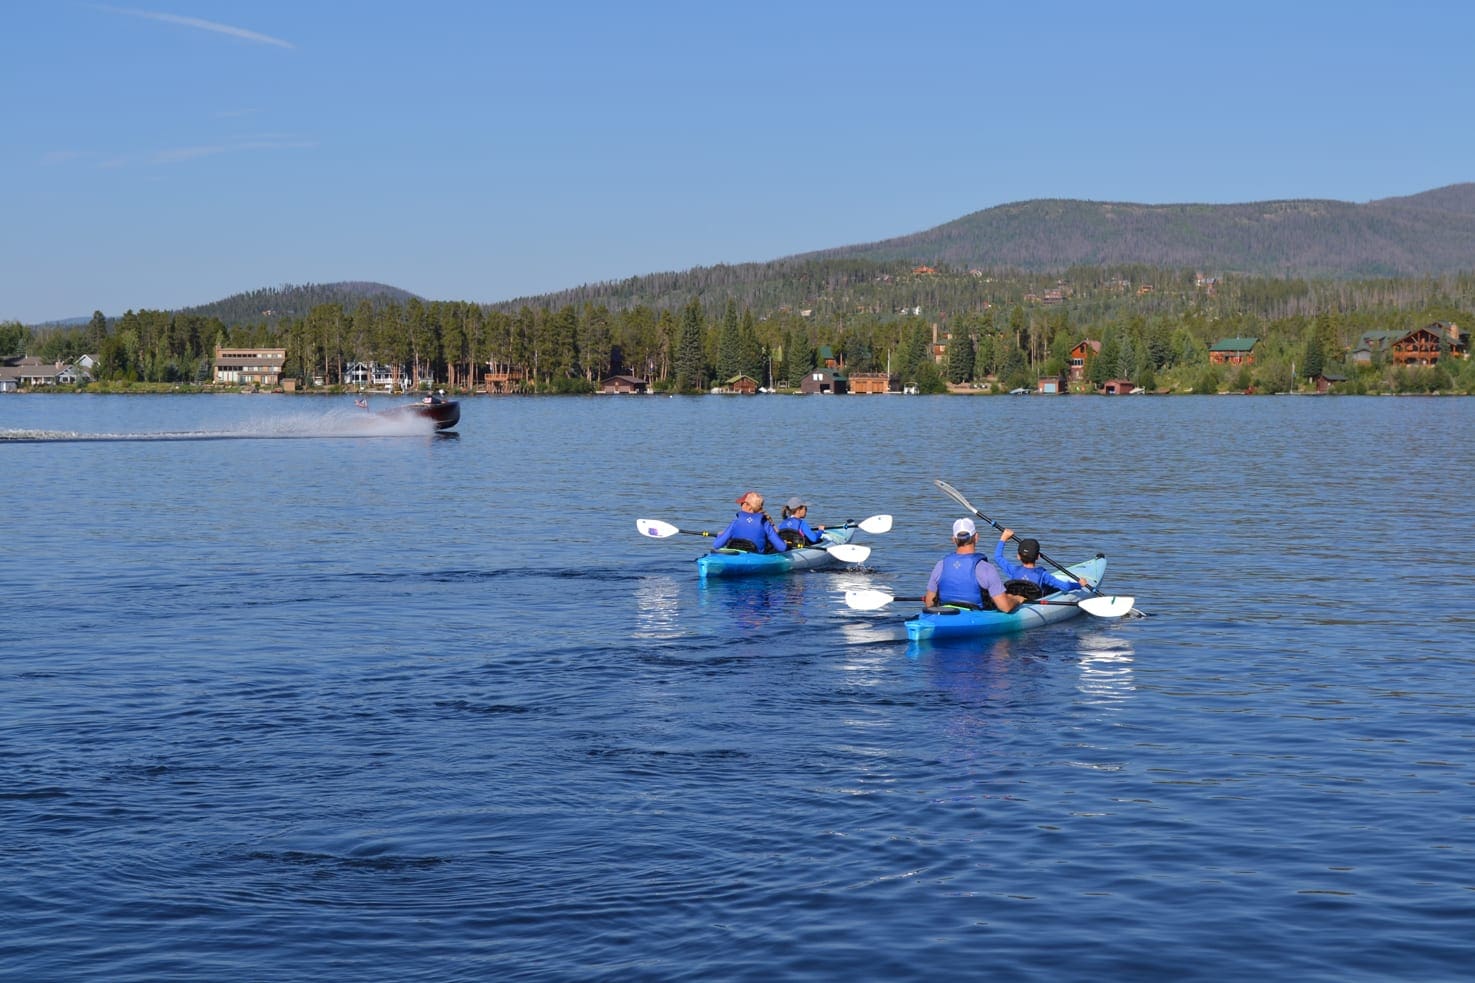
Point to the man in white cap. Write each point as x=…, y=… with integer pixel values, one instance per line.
x=964, y=578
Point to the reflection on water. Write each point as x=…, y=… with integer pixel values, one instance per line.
x=751, y=603
x=1106, y=667
x=658, y=608
x=413, y=686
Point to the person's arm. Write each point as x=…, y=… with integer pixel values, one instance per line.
x=990, y=584
x=723, y=536
x=811, y=534
x=1010, y=569
x=929, y=597
x=1064, y=581
x=774, y=539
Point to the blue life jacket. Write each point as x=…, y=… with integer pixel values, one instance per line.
x=794, y=524
x=958, y=583
x=750, y=530
x=1047, y=581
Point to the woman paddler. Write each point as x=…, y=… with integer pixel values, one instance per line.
x=751, y=529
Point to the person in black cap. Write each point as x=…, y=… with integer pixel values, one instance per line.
x=794, y=527
x=1026, y=568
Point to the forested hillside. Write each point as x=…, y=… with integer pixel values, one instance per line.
x=928, y=328
x=1422, y=234
x=1000, y=296
x=273, y=304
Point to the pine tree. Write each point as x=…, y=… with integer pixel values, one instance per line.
x=729, y=344
x=690, y=358
x=97, y=330
x=960, y=357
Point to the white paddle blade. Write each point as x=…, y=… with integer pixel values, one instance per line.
x=876, y=524
x=655, y=528
x=867, y=600
x=850, y=553
x=1107, y=607
x=954, y=494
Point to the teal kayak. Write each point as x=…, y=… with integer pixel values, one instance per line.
x=953, y=622
x=739, y=563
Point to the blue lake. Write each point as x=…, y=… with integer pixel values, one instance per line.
x=290, y=704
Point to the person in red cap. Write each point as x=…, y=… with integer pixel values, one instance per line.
x=751, y=529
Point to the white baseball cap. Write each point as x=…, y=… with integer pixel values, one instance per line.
x=964, y=526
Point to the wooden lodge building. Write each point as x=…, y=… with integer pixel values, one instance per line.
x=743, y=385
x=504, y=380
x=624, y=384
x=1080, y=359
x=872, y=382
x=825, y=381
x=1233, y=351
x=1421, y=346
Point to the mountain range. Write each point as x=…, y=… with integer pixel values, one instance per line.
x=1417, y=235
x=1425, y=234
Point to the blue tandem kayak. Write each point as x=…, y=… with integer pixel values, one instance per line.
x=954, y=622
x=739, y=563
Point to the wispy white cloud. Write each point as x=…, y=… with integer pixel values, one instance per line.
x=65, y=156
x=203, y=25
x=176, y=155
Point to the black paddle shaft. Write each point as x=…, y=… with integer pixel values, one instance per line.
x=957, y=496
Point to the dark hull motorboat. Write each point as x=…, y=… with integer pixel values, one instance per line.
x=444, y=413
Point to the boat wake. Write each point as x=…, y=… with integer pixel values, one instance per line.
x=336, y=423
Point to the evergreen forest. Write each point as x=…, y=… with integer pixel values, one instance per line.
x=930, y=327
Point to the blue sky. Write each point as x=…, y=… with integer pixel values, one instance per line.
x=170, y=154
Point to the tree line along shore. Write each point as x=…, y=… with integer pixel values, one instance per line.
x=928, y=329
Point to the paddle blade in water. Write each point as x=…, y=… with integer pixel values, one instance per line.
x=867, y=600
x=850, y=553
x=1107, y=607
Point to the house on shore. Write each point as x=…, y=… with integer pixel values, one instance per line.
x=743, y=385
x=872, y=382
x=504, y=380
x=1324, y=381
x=1080, y=359
x=624, y=384
x=1421, y=346
x=822, y=380
x=1233, y=351
x=249, y=366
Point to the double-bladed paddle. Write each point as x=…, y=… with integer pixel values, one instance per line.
x=957, y=496
x=844, y=552
x=1102, y=606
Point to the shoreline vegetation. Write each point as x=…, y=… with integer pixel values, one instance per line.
x=925, y=329
x=167, y=389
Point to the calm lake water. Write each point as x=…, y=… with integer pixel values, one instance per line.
x=293, y=705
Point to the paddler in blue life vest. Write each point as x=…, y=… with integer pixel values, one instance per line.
x=751, y=530
x=1029, y=551
x=793, y=525
x=965, y=577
